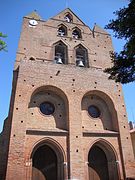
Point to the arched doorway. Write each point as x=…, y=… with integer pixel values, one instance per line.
x=47, y=163
x=102, y=163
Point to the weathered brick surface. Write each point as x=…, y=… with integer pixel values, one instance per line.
x=4, y=144
x=132, y=133
x=72, y=90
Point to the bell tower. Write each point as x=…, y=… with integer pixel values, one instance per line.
x=66, y=119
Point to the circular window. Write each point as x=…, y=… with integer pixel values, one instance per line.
x=93, y=111
x=47, y=108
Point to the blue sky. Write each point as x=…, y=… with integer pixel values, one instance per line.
x=89, y=11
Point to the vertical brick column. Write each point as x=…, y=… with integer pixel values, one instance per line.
x=16, y=161
x=125, y=138
x=75, y=138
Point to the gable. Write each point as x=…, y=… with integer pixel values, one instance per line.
x=61, y=15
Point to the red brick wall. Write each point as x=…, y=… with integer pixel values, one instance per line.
x=74, y=132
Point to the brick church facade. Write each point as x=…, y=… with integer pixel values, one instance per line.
x=66, y=119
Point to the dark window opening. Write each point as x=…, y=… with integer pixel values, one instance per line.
x=76, y=34
x=62, y=30
x=94, y=111
x=98, y=164
x=47, y=108
x=61, y=53
x=68, y=18
x=81, y=57
x=32, y=59
x=45, y=165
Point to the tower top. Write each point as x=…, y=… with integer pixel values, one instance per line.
x=98, y=29
x=34, y=15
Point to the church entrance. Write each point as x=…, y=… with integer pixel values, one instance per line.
x=46, y=165
x=102, y=163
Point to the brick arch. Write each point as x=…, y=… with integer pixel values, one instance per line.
x=78, y=30
x=55, y=89
x=62, y=42
x=61, y=48
x=81, y=45
x=102, y=94
x=110, y=154
x=52, y=143
x=68, y=17
x=59, y=119
x=64, y=27
x=103, y=143
x=58, y=151
x=108, y=107
x=81, y=50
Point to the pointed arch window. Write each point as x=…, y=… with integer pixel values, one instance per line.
x=68, y=18
x=62, y=30
x=60, y=53
x=81, y=56
x=77, y=33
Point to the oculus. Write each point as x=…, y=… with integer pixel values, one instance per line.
x=94, y=111
x=47, y=108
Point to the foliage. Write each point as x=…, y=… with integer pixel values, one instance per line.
x=123, y=69
x=2, y=43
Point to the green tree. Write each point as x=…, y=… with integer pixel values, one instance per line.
x=2, y=43
x=123, y=69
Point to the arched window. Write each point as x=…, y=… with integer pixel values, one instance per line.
x=99, y=158
x=47, y=161
x=68, y=17
x=76, y=33
x=62, y=30
x=32, y=58
x=49, y=104
x=60, y=53
x=98, y=111
x=81, y=56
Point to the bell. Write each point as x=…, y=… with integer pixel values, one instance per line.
x=67, y=19
x=60, y=33
x=59, y=61
x=80, y=63
x=75, y=36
